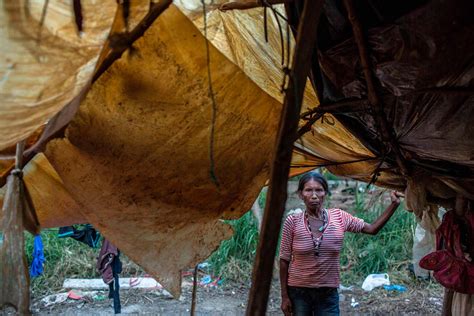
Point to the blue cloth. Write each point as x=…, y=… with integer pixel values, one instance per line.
x=36, y=268
x=314, y=301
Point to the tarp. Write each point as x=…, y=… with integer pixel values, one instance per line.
x=137, y=154
x=136, y=161
x=421, y=53
x=44, y=68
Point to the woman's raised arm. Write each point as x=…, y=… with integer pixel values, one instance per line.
x=379, y=223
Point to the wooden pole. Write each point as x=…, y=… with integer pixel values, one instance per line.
x=193, y=299
x=276, y=198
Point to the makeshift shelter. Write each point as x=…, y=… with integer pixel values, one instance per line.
x=180, y=132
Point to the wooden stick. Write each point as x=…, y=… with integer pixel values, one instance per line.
x=349, y=106
x=193, y=299
x=307, y=126
x=374, y=100
x=155, y=11
x=276, y=198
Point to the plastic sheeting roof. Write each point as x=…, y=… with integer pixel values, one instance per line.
x=135, y=161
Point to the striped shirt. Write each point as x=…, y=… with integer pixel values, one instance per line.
x=297, y=247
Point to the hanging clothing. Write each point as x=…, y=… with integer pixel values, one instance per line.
x=109, y=266
x=85, y=234
x=449, y=262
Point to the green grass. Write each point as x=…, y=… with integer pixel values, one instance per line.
x=234, y=258
x=389, y=251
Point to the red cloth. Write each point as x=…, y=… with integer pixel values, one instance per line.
x=104, y=263
x=449, y=264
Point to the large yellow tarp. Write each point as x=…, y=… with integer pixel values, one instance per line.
x=137, y=155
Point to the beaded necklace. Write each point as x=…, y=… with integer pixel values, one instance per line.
x=317, y=240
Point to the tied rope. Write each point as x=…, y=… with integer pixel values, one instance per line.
x=212, y=171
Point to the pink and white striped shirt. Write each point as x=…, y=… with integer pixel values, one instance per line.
x=297, y=247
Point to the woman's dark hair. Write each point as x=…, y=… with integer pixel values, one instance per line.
x=313, y=176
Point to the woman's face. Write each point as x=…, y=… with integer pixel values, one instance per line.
x=313, y=195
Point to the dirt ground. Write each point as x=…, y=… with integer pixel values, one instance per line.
x=231, y=299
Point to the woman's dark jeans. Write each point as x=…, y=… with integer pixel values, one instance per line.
x=314, y=301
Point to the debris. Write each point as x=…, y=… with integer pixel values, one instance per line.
x=395, y=287
x=374, y=280
x=99, y=297
x=54, y=299
x=206, y=280
x=204, y=265
x=354, y=303
x=72, y=295
x=345, y=288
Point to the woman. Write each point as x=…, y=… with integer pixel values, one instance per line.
x=310, y=246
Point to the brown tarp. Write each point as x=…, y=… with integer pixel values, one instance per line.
x=136, y=159
x=137, y=155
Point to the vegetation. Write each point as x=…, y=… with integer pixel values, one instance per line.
x=65, y=258
x=390, y=251
x=234, y=258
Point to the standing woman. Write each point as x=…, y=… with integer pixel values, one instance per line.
x=310, y=246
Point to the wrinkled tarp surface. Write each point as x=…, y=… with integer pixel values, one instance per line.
x=44, y=68
x=422, y=54
x=137, y=154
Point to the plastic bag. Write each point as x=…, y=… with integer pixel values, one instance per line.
x=374, y=280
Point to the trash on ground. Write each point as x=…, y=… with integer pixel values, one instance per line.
x=54, y=299
x=73, y=295
x=395, y=287
x=354, y=303
x=206, y=280
x=209, y=281
x=345, y=288
x=374, y=280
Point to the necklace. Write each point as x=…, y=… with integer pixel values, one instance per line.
x=317, y=240
x=323, y=218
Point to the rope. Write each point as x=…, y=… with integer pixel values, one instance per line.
x=376, y=172
x=41, y=23
x=212, y=171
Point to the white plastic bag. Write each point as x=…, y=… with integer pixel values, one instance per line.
x=374, y=280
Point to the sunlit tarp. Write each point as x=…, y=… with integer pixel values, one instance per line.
x=44, y=68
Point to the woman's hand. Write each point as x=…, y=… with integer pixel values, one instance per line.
x=286, y=305
x=395, y=196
